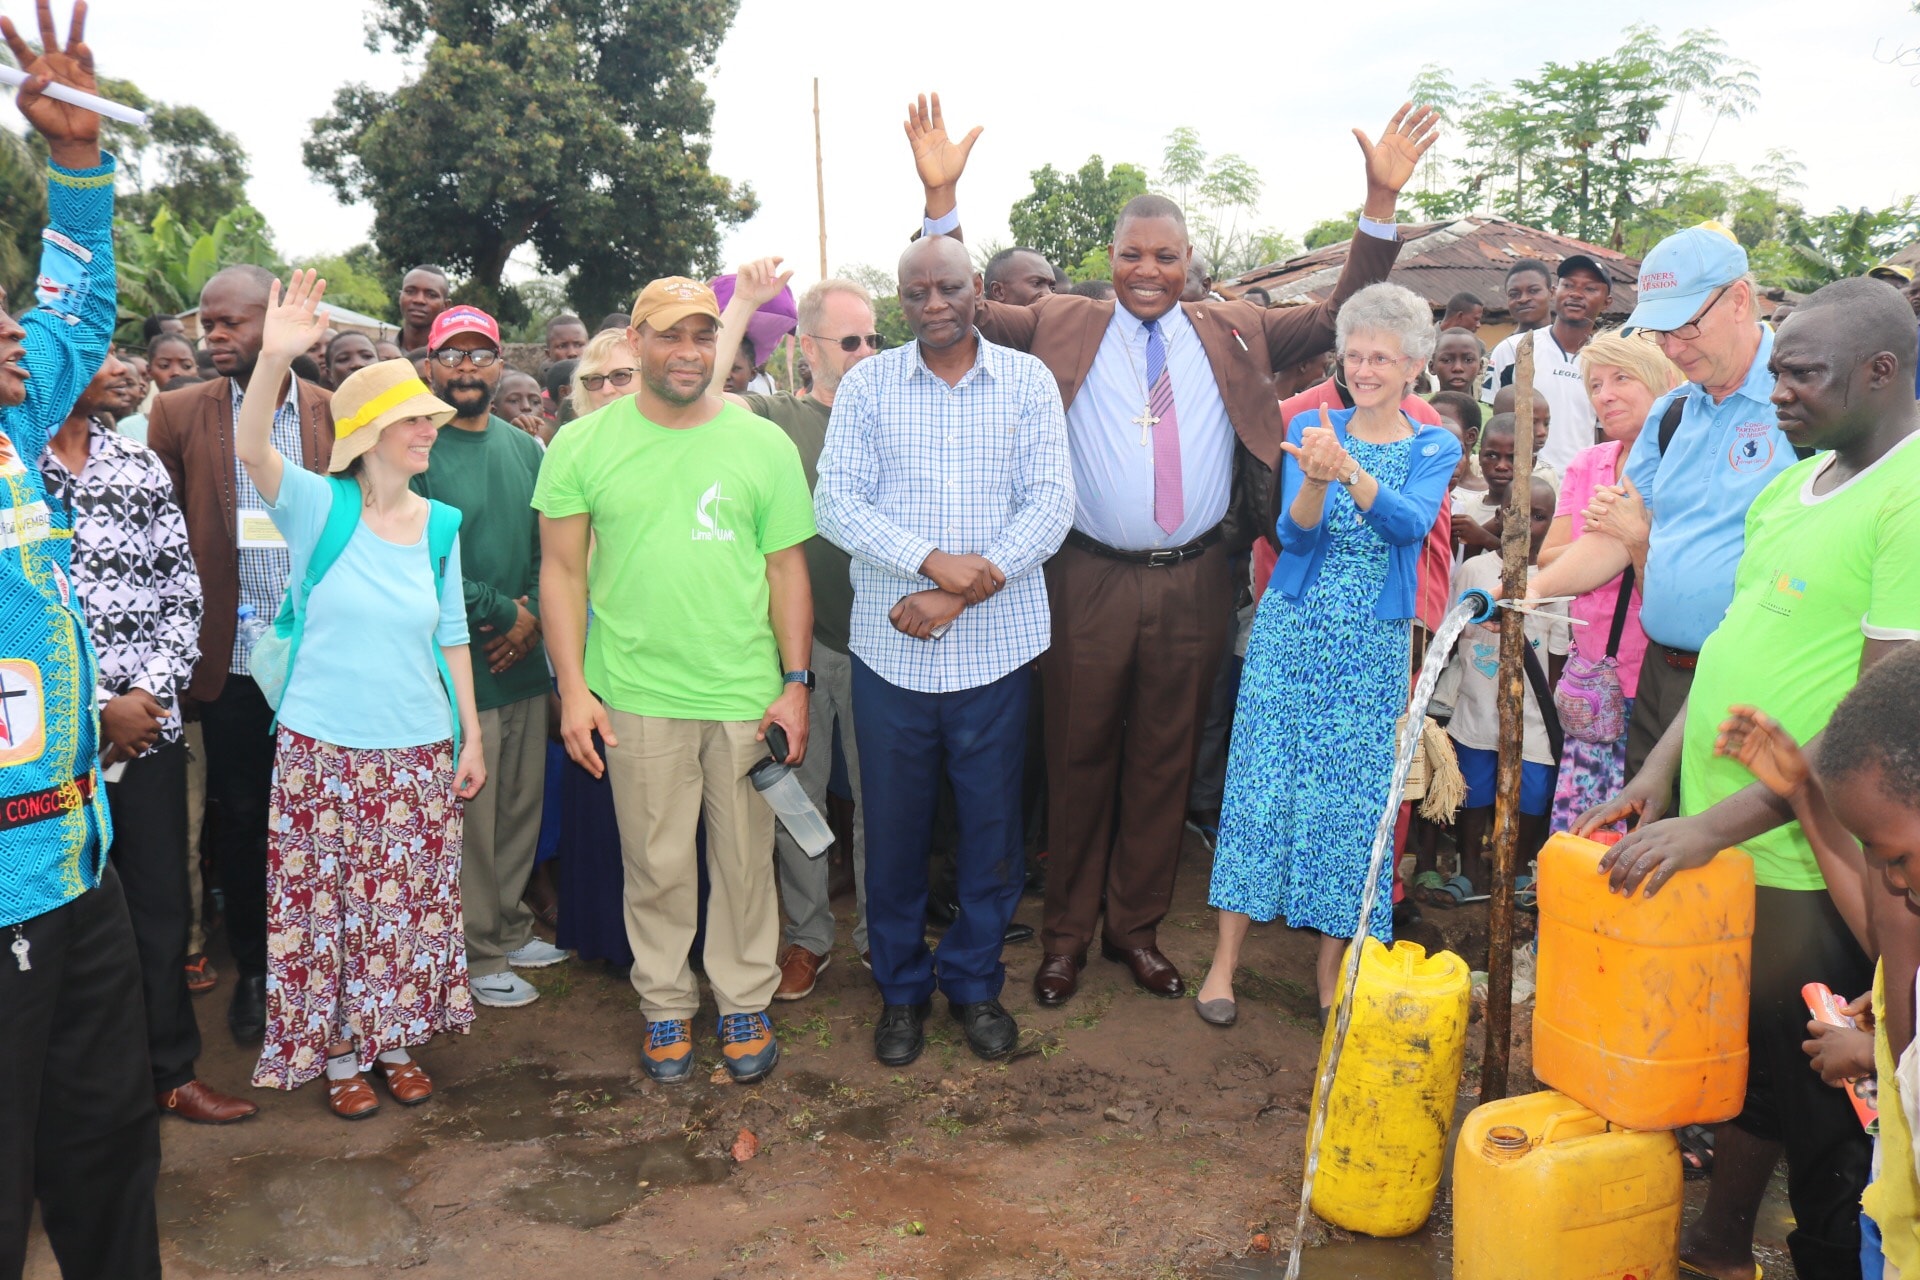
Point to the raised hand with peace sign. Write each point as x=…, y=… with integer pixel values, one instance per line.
x=72, y=133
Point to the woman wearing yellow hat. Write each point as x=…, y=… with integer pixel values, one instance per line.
x=364, y=945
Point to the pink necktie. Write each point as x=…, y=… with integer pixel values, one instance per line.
x=1169, y=504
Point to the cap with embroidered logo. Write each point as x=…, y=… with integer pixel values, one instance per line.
x=667, y=302
x=462, y=320
x=1679, y=275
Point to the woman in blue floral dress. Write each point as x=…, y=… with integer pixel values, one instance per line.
x=1326, y=667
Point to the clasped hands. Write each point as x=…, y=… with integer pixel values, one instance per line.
x=1619, y=511
x=959, y=581
x=1322, y=458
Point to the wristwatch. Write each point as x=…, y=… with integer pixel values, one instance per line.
x=1351, y=480
x=803, y=676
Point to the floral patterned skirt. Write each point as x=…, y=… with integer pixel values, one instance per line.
x=364, y=938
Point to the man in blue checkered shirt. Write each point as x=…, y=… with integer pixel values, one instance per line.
x=945, y=476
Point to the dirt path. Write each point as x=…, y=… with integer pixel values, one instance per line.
x=1129, y=1139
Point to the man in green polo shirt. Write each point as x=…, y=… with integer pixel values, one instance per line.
x=1828, y=584
x=487, y=467
x=695, y=512
x=836, y=332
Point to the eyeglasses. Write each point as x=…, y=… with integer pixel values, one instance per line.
x=1691, y=329
x=450, y=357
x=618, y=377
x=1353, y=361
x=850, y=343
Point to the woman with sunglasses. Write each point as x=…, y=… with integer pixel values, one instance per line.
x=605, y=372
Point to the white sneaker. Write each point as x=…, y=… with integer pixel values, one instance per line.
x=537, y=953
x=503, y=990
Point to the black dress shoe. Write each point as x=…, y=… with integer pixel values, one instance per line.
x=1152, y=972
x=1017, y=932
x=247, y=1015
x=898, y=1038
x=991, y=1030
x=1057, y=978
x=942, y=912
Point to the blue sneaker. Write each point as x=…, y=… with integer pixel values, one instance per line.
x=747, y=1046
x=668, y=1055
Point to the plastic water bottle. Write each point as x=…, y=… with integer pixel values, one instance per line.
x=252, y=626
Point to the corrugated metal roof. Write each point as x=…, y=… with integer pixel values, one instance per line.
x=1440, y=259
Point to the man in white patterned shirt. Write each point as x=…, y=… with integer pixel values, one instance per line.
x=945, y=475
x=133, y=578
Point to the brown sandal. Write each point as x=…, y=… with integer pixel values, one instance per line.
x=407, y=1083
x=201, y=976
x=351, y=1099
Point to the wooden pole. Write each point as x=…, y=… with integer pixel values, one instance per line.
x=819, y=178
x=1516, y=531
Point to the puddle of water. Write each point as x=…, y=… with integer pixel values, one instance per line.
x=1417, y=1257
x=279, y=1211
x=587, y=1187
x=868, y=1124
x=809, y=1084
x=525, y=1102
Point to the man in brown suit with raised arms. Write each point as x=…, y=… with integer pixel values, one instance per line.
x=1173, y=424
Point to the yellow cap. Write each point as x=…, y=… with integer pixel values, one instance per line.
x=667, y=302
x=1892, y=271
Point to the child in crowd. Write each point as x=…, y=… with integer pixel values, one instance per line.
x=1475, y=727
x=1476, y=516
x=1861, y=813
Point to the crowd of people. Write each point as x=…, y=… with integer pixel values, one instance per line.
x=458, y=656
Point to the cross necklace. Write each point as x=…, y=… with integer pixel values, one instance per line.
x=1146, y=420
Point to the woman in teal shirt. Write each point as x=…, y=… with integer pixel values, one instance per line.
x=365, y=951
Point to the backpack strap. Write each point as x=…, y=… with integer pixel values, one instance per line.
x=1670, y=421
x=443, y=531
x=343, y=517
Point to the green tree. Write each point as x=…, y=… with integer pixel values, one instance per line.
x=889, y=321
x=1221, y=198
x=23, y=214
x=1069, y=217
x=578, y=127
x=187, y=164
x=1846, y=242
x=162, y=267
x=1331, y=231
x=352, y=285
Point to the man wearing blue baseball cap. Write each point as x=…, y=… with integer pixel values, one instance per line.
x=1709, y=447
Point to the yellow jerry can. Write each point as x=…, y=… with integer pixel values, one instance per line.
x=1391, y=1104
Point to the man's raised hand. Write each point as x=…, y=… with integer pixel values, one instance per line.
x=71, y=132
x=294, y=323
x=1392, y=160
x=937, y=158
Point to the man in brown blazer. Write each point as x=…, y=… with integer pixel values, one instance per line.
x=1174, y=426
x=242, y=561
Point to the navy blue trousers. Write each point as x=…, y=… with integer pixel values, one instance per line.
x=977, y=738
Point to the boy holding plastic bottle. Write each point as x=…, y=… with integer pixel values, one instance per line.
x=1860, y=809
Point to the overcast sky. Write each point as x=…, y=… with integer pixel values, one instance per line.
x=1053, y=83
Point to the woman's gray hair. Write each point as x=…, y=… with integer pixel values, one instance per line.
x=1392, y=310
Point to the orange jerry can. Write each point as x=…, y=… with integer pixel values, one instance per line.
x=1641, y=1009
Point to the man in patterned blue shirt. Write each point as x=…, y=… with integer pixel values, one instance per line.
x=78, y=1131
x=945, y=476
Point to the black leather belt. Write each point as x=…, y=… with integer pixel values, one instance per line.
x=1163, y=558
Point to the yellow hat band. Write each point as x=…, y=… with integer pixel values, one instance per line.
x=392, y=397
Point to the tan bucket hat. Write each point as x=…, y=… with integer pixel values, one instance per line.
x=374, y=398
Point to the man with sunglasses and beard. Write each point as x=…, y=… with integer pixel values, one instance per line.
x=836, y=332
x=487, y=468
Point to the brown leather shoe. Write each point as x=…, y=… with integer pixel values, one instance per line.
x=351, y=1099
x=1057, y=978
x=406, y=1082
x=1152, y=972
x=200, y=1104
x=799, y=970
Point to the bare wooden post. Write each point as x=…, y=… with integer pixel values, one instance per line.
x=1516, y=531
x=819, y=178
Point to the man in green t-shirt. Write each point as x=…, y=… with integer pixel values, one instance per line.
x=487, y=467
x=1828, y=584
x=836, y=333
x=695, y=512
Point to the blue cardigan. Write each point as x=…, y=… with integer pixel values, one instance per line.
x=1401, y=518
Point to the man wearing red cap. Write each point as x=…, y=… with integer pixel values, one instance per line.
x=487, y=467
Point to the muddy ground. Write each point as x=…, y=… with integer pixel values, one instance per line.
x=1129, y=1139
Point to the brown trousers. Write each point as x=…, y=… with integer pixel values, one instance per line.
x=1126, y=683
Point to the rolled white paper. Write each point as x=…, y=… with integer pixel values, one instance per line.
x=79, y=98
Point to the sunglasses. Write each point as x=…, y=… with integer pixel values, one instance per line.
x=618, y=377
x=850, y=343
x=450, y=357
